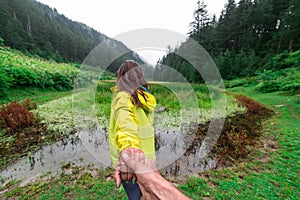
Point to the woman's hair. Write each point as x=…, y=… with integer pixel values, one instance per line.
x=130, y=79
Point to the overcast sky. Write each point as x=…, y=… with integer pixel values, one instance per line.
x=114, y=17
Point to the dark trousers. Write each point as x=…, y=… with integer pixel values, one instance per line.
x=132, y=190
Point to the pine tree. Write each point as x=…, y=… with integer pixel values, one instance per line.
x=226, y=30
x=200, y=22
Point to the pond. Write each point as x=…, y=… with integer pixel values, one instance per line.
x=181, y=150
x=91, y=147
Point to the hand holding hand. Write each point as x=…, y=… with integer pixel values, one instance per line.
x=123, y=172
x=151, y=183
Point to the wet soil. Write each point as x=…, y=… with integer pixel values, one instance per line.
x=240, y=135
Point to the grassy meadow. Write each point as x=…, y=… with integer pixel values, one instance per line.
x=33, y=115
x=269, y=172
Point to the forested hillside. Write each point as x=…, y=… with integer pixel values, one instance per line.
x=30, y=26
x=243, y=39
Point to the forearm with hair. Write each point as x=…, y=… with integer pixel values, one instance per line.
x=159, y=188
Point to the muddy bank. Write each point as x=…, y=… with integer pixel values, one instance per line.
x=239, y=136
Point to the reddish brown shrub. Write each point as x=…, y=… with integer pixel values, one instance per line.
x=23, y=128
x=15, y=117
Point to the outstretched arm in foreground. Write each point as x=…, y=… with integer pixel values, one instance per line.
x=152, y=184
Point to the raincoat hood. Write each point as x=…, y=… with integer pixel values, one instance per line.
x=148, y=103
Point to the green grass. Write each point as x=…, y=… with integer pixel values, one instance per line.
x=266, y=173
x=83, y=183
x=37, y=95
x=270, y=172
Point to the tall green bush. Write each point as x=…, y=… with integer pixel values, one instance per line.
x=280, y=80
x=284, y=60
x=5, y=82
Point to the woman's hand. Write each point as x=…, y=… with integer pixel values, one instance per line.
x=123, y=172
x=117, y=176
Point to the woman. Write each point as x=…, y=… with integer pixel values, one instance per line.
x=131, y=122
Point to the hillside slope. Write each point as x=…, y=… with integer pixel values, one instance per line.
x=31, y=26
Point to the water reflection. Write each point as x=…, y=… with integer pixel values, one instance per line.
x=50, y=159
x=189, y=165
x=91, y=147
x=173, y=159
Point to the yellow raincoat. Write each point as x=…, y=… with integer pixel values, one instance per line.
x=130, y=125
